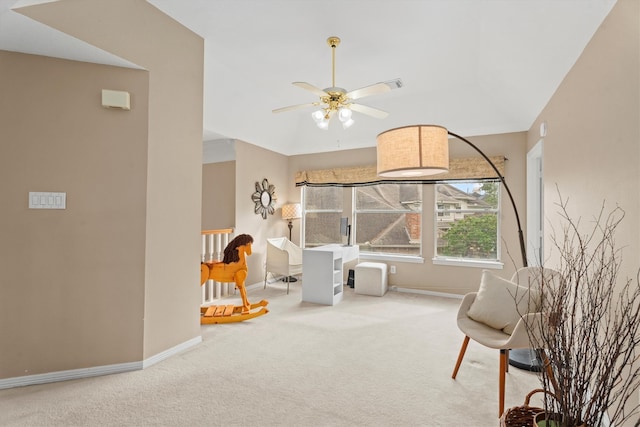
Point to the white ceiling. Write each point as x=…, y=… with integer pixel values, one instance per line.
x=474, y=66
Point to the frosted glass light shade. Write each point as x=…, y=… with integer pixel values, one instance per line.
x=292, y=211
x=413, y=151
x=347, y=123
x=344, y=114
x=317, y=116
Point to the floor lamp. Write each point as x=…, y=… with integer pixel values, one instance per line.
x=289, y=213
x=421, y=150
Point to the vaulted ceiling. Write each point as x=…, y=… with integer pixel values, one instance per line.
x=476, y=67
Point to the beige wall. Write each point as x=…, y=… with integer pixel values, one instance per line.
x=439, y=278
x=72, y=281
x=218, y=195
x=253, y=164
x=174, y=57
x=115, y=277
x=592, y=147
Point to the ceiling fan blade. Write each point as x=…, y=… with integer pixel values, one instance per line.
x=311, y=88
x=374, y=89
x=369, y=111
x=368, y=91
x=294, y=107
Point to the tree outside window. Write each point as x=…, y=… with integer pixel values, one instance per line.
x=467, y=220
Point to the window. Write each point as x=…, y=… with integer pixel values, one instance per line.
x=322, y=213
x=467, y=215
x=388, y=218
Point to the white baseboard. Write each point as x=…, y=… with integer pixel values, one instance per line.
x=392, y=288
x=171, y=352
x=425, y=292
x=96, y=371
x=72, y=374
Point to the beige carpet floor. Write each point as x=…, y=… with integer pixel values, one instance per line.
x=367, y=361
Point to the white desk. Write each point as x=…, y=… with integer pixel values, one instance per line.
x=322, y=269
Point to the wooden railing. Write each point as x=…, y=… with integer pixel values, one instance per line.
x=213, y=244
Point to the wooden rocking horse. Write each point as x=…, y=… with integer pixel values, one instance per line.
x=232, y=268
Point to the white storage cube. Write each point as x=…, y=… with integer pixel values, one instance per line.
x=371, y=279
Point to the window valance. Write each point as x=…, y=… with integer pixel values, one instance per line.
x=460, y=169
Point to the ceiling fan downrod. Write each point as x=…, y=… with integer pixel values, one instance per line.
x=333, y=42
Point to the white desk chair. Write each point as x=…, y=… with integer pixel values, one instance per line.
x=283, y=258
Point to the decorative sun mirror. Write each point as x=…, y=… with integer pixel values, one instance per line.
x=264, y=198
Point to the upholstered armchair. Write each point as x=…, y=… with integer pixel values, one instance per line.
x=502, y=315
x=283, y=258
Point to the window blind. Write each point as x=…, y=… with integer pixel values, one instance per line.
x=460, y=169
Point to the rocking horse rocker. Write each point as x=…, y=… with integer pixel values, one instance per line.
x=233, y=268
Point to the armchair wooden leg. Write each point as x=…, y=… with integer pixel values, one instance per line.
x=503, y=371
x=463, y=349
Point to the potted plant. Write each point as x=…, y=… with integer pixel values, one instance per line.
x=589, y=330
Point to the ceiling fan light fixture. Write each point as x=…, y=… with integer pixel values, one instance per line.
x=347, y=124
x=321, y=118
x=338, y=101
x=344, y=114
x=318, y=116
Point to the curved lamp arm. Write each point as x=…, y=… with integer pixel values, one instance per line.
x=513, y=203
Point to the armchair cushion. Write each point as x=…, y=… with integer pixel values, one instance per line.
x=500, y=303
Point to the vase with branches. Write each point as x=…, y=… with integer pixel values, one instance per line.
x=589, y=330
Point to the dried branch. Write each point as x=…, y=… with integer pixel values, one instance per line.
x=591, y=329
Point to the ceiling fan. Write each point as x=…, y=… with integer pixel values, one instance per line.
x=336, y=100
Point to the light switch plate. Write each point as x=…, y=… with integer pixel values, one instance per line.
x=47, y=200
